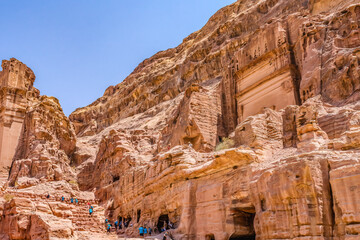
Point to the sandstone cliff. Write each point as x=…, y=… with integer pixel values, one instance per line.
x=249, y=129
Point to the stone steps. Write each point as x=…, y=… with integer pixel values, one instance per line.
x=272, y=132
x=80, y=217
x=334, y=125
x=3, y=178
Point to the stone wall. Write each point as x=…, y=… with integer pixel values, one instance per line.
x=250, y=129
x=16, y=87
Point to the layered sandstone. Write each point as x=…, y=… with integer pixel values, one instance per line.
x=47, y=141
x=16, y=84
x=250, y=129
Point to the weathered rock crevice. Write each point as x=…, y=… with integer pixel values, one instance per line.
x=250, y=129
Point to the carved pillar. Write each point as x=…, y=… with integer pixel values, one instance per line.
x=16, y=80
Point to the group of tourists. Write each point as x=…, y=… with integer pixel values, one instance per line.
x=62, y=199
x=144, y=231
x=72, y=200
x=117, y=225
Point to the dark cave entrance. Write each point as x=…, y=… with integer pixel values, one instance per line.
x=163, y=222
x=194, y=142
x=243, y=224
x=127, y=221
x=116, y=178
x=236, y=237
x=120, y=220
x=210, y=237
x=138, y=215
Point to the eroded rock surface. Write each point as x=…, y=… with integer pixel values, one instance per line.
x=249, y=129
x=16, y=85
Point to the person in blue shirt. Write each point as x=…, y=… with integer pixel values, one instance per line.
x=150, y=231
x=145, y=231
x=116, y=224
x=108, y=227
x=106, y=222
x=62, y=198
x=76, y=201
x=72, y=200
x=91, y=211
x=141, y=231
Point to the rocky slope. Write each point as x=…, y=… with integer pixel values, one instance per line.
x=250, y=129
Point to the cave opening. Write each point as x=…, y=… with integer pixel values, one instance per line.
x=127, y=221
x=116, y=178
x=239, y=237
x=120, y=221
x=194, y=141
x=243, y=224
x=163, y=222
x=138, y=215
x=210, y=237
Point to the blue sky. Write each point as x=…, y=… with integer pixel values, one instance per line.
x=77, y=48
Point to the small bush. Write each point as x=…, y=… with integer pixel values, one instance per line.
x=73, y=182
x=8, y=197
x=225, y=144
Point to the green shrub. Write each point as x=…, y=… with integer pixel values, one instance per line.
x=8, y=197
x=226, y=143
x=74, y=183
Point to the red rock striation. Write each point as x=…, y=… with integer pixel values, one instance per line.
x=249, y=129
x=16, y=85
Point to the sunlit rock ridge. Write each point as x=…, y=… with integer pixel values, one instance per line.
x=249, y=129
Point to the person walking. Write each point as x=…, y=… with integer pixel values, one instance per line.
x=90, y=211
x=150, y=231
x=108, y=227
x=72, y=200
x=106, y=221
x=62, y=198
x=145, y=231
x=116, y=224
x=141, y=231
x=76, y=201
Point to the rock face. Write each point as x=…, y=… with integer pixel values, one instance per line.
x=249, y=129
x=47, y=141
x=16, y=84
x=29, y=215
